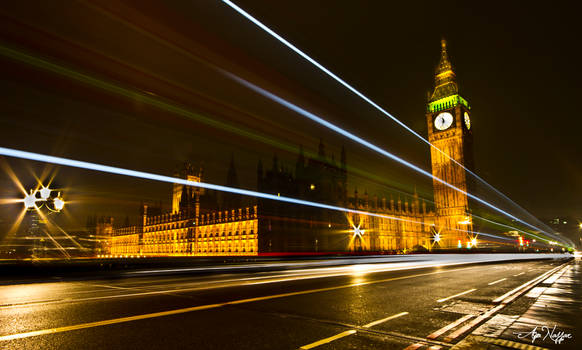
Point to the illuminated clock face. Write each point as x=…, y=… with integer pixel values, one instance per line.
x=443, y=121
x=467, y=120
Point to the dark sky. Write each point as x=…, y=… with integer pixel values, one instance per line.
x=518, y=66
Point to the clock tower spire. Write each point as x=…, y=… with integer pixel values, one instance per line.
x=449, y=130
x=445, y=78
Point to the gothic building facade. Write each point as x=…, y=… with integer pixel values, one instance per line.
x=198, y=226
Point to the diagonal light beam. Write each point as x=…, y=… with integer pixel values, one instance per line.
x=372, y=103
x=371, y=146
x=168, y=179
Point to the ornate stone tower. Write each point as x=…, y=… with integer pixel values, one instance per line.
x=449, y=130
x=186, y=197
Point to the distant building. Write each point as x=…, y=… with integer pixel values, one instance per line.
x=198, y=226
x=188, y=229
x=568, y=227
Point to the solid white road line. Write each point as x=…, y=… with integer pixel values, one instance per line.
x=456, y=295
x=494, y=282
x=448, y=327
x=371, y=324
x=503, y=300
x=350, y=332
x=526, y=284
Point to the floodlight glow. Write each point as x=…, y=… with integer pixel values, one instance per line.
x=459, y=244
x=59, y=203
x=45, y=192
x=372, y=103
x=467, y=221
x=357, y=231
x=474, y=242
x=30, y=200
x=437, y=237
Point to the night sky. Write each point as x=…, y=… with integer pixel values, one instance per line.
x=517, y=66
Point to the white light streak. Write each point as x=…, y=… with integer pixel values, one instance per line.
x=376, y=106
x=162, y=178
x=367, y=144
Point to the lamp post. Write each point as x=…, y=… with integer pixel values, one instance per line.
x=38, y=200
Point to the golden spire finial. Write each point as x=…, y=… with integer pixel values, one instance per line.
x=445, y=82
x=444, y=64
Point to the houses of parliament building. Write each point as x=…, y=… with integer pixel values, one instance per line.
x=198, y=226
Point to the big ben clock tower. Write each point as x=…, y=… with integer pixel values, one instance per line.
x=449, y=129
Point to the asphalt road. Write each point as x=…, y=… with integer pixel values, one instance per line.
x=359, y=306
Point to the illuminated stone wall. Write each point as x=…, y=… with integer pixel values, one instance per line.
x=407, y=229
x=125, y=245
x=232, y=232
x=167, y=234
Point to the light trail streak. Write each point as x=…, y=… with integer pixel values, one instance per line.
x=373, y=147
x=168, y=179
x=10, y=201
x=49, y=223
x=160, y=104
x=58, y=245
x=372, y=103
x=186, y=51
x=512, y=227
x=154, y=102
x=69, y=237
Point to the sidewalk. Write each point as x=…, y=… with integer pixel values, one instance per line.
x=549, y=316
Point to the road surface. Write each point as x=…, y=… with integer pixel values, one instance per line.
x=380, y=303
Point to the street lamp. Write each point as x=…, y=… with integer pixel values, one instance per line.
x=53, y=204
x=59, y=203
x=34, y=202
x=30, y=200
x=45, y=193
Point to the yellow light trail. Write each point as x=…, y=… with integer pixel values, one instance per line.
x=204, y=307
x=135, y=95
